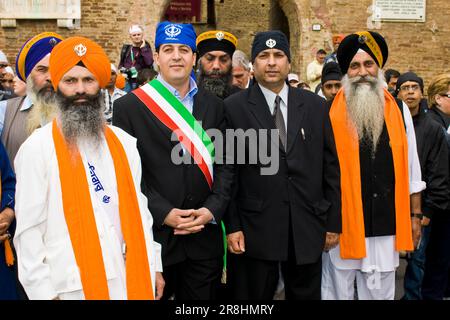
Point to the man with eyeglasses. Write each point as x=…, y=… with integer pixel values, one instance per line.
x=331, y=80
x=433, y=156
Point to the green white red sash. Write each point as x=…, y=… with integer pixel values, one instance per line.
x=174, y=115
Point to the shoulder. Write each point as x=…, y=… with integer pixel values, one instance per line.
x=123, y=136
x=35, y=145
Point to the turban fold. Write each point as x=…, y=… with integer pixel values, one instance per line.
x=76, y=50
x=369, y=41
x=175, y=33
x=270, y=40
x=216, y=40
x=408, y=76
x=33, y=51
x=331, y=71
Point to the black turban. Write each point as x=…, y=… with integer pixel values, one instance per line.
x=270, y=40
x=369, y=41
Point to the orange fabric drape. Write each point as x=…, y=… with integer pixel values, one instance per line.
x=82, y=228
x=352, y=240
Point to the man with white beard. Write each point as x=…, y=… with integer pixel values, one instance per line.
x=24, y=114
x=83, y=227
x=380, y=176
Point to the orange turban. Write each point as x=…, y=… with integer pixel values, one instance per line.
x=120, y=81
x=70, y=52
x=338, y=38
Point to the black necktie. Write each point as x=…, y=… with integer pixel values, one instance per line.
x=279, y=121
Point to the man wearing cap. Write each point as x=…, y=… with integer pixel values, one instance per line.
x=241, y=70
x=279, y=219
x=31, y=67
x=337, y=39
x=293, y=80
x=380, y=176
x=215, y=51
x=83, y=226
x=5, y=90
x=433, y=157
x=135, y=56
x=111, y=94
x=331, y=80
x=187, y=187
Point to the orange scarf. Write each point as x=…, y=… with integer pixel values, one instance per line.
x=352, y=240
x=9, y=256
x=80, y=221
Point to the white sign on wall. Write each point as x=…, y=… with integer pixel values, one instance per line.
x=399, y=10
x=65, y=11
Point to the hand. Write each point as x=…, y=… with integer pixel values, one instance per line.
x=6, y=218
x=236, y=242
x=160, y=284
x=332, y=240
x=425, y=221
x=201, y=217
x=416, y=230
x=4, y=237
x=178, y=216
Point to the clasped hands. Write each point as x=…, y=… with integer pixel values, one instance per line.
x=188, y=221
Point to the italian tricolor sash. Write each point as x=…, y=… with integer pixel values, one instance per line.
x=174, y=115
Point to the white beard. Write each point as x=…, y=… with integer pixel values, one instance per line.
x=365, y=106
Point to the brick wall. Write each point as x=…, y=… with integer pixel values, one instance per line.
x=422, y=47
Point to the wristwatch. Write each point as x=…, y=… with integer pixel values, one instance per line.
x=417, y=215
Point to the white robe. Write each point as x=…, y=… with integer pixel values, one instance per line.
x=46, y=262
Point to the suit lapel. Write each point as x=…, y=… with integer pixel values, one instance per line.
x=260, y=109
x=295, y=117
x=200, y=110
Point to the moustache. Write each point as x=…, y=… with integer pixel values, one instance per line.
x=363, y=79
x=90, y=99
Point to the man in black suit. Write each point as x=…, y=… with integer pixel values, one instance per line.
x=286, y=212
x=186, y=198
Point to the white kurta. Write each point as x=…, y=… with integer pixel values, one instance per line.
x=46, y=262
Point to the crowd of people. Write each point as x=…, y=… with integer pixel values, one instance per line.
x=193, y=172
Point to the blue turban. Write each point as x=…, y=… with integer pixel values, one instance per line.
x=33, y=51
x=175, y=33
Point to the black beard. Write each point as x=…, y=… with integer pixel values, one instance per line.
x=219, y=86
x=81, y=120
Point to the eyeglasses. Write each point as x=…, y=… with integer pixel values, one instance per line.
x=445, y=95
x=414, y=87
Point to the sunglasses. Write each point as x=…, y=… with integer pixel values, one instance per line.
x=445, y=95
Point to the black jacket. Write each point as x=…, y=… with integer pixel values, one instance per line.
x=304, y=194
x=433, y=155
x=183, y=186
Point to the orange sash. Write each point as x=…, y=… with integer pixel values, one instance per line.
x=352, y=240
x=80, y=221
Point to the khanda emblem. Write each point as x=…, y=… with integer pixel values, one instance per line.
x=172, y=31
x=362, y=39
x=80, y=50
x=271, y=43
x=53, y=42
x=220, y=36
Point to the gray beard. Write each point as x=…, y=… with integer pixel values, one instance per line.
x=218, y=86
x=82, y=123
x=44, y=106
x=365, y=107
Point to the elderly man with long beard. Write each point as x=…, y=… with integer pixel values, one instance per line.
x=24, y=114
x=83, y=227
x=380, y=176
x=215, y=49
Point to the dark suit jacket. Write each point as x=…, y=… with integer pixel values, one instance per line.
x=305, y=192
x=168, y=185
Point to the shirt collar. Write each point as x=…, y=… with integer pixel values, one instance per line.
x=193, y=89
x=27, y=103
x=270, y=96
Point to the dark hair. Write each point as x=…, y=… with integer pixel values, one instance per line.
x=321, y=51
x=391, y=73
x=145, y=75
